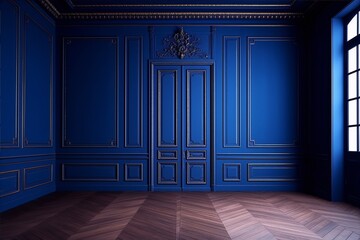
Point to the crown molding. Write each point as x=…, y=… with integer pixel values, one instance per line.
x=50, y=8
x=179, y=5
x=259, y=5
x=179, y=15
x=182, y=5
x=198, y=15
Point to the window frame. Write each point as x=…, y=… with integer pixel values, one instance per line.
x=348, y=45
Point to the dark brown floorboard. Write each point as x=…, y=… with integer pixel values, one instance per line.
x=154, y=215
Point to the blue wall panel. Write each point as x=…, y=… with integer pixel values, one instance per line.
x=271, y=172
x=97, y=172
x=134, y=91
x=231, y=172
x=273, y=107
x=257, y=172
x=26, y=96
x=106, y=106
x=231, y=103
x=37, y=85
x=257, y=108
x=133, y=172
x=9, y=74
x=133, y=87
x=134, y=175
x=102, y=172
x=9, y=182
x=38, y=175
x=104, y=109
x=25, y=179
x=90, y=116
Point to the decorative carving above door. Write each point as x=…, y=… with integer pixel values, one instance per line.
x=181, y=45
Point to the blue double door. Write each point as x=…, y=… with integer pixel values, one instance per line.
x=181, y=128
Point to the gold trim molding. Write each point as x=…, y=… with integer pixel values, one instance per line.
x=264, y=5
x=50, y=8
x=171, y=15
x=182, y=5
x=178, y=15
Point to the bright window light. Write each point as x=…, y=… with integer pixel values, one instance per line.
x=352, y=88
x=353, y=139
x=352, y=110
x=352, y=59
x=353, y=83
x=352, y=28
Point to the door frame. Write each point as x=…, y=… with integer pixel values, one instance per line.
x=172, y=62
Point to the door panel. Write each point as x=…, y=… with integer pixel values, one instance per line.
x=196, y=173
x=167, y=172
x=167, y=126
x=168, y=108
x=181, y=127
x=196, y=128
x=195, y=108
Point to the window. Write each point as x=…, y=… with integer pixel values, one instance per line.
x=352, y=47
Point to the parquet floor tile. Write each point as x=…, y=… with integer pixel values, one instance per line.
x=185, y=216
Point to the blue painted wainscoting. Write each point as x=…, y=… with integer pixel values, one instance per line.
x=257, y=109
x=104, y=133
x=138, y=115
x=25, y=178
x=27, y=149
x=121, y=106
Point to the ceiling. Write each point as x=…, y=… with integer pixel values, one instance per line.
x=158, y=9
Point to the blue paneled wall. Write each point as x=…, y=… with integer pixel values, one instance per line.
x=112, y=105
x=332, y=171
x=105, y=122
x=90, y=92
x=27, y=150
x=121, y=117
x=257, y=113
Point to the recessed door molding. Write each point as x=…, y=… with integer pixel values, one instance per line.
x=181, y=152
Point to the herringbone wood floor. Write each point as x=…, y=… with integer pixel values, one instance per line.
x=151, y=215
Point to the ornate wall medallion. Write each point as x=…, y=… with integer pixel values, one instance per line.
x=180, y=45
